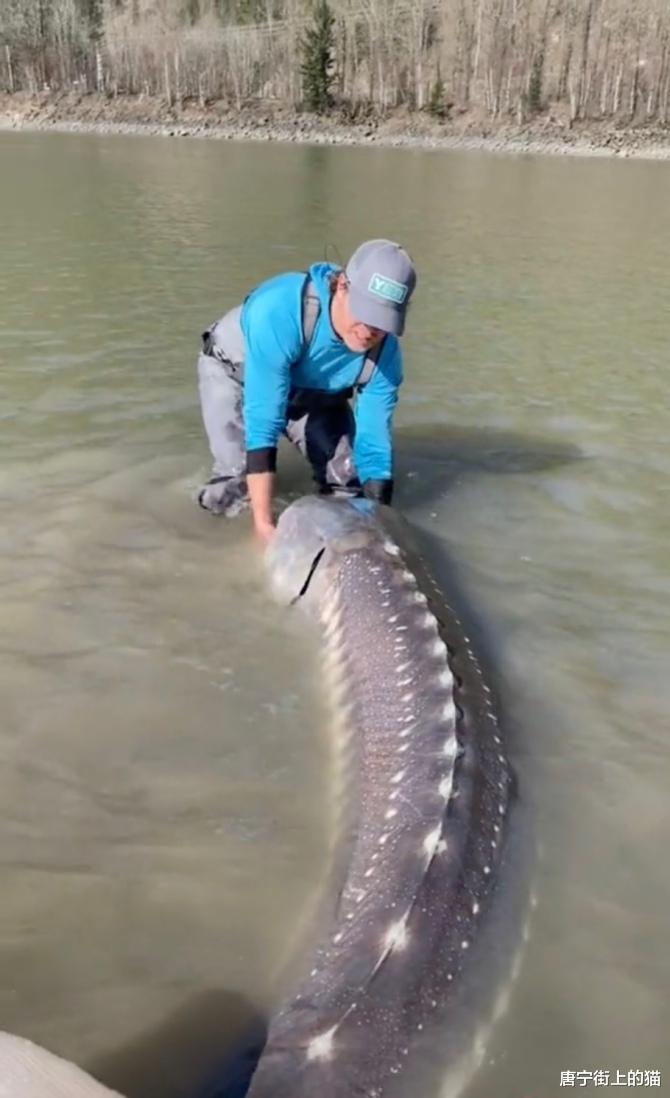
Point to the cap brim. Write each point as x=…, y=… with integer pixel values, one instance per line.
x=375, y=314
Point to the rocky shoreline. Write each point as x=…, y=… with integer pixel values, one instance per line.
x=546, y=134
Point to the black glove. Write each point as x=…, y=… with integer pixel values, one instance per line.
x=379, y=490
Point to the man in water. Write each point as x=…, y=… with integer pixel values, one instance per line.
x=289, y=361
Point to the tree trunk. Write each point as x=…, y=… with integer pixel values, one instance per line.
x=616, y=105
x=604, y=87
x=604, y=93
x=632, y=106
x=418, y=59
x=381, y=83
x=10, y=70
x=478, y=43
x=178, y=88
x=665, y=109
x=565, y=72
x=166, y=76
x=586, y=37
x=573, y=93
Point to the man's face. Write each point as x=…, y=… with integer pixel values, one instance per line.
x=354, y=334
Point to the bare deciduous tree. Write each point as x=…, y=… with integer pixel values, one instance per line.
x=598, y=58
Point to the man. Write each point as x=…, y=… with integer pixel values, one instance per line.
x=288, y=361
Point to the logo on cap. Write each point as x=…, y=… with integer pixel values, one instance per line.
x=387, y=288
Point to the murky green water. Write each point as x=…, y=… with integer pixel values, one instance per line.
x=163, y=743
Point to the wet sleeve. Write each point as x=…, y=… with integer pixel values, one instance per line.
x=373, y=444
x=273, y=341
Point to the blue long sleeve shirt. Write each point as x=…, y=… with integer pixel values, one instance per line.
x=274, y=362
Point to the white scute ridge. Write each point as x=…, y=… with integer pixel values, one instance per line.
x=446, y=785
x=321, y=1047
x=28, y=1071
x=396, y=936
x=431, y=841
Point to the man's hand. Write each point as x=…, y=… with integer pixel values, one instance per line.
x=264, y=532
x=261, y=487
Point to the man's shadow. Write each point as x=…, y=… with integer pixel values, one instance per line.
x=209, y=1048
x=429, y=462
x=430, y=458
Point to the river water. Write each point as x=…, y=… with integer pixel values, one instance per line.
x=163, y=745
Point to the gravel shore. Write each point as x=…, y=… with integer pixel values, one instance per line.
x=550, y=134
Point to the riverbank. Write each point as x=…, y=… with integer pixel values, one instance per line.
x=548, y=133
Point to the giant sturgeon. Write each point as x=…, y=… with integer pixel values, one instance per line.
x=430, y=794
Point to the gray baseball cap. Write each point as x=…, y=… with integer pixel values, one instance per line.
x=381, y=279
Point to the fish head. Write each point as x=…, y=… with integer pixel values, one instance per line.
x=311, y=538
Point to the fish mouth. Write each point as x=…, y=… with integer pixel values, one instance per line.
x=310, y=575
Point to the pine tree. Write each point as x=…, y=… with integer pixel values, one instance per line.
x=317, y=50
x=91, y=11
x=535, y=83
x=436, y=104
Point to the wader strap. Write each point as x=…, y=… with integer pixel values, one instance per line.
x=369, y=366
x=311, y=307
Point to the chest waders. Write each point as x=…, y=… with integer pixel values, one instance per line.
x=320, y=424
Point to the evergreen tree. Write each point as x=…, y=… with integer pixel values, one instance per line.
x=317, y=51
x=535, y=83
x=437, y=105
x=242, y=11
x=92, y=15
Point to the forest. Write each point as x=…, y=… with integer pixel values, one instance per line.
x=587, y=59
